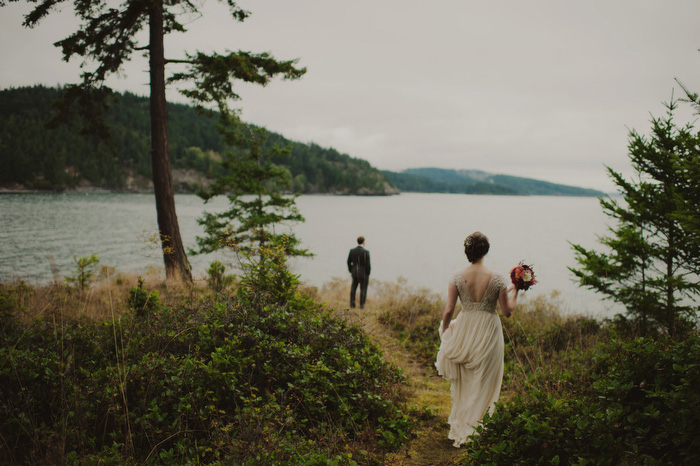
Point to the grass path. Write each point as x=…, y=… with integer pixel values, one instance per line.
x=426, y=389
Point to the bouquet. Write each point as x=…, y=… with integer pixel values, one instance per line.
x=522, y=276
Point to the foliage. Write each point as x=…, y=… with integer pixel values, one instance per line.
x=649, y=268
x=412, y=315
x=689, y=200
x=217, y=279
x=11, y=303
x=640, y=406
x=268, y=280
x=252, y=184
x=411, y=181
x=576, y=390
x=63, y=158
x=84, y=272
x=143, y=302
x=254, y=379
x=536, y=335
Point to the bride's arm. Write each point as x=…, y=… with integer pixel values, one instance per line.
x=508, y=303
x=450, y=307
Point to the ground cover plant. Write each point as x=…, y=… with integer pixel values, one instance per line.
x=237, y=377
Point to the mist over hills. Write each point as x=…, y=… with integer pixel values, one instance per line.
x=35, y=158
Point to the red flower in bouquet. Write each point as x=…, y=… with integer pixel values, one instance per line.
x=522, y=276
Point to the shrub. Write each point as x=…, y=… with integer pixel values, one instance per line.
x=259, y=378
x=217, y=278
x=642, y=406
x=141, y=301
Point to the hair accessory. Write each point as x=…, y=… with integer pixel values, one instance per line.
x=468, y=242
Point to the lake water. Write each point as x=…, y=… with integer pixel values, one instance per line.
x=415, y=236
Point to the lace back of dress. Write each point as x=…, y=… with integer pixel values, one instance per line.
x=488, y=301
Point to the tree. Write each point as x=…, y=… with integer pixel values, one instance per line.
x=107, y=38
x=648, y=268
x=254, y=188
x=689, y=211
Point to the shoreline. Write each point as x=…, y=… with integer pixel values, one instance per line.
x=94, y=190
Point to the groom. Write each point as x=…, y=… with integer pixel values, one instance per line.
x=359, y=267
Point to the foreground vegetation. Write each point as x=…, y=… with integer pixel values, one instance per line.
x=184, y=376
x=134, y=372
x=575, y=390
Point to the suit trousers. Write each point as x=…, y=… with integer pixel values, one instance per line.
x=363, y=281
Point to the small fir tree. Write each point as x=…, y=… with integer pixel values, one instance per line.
x=217, y=279
x=255, y=189
x=648, y=269
x=84, y=272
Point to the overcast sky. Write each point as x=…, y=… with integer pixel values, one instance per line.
x=541, y=89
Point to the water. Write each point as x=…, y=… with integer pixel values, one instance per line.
x=415, y=236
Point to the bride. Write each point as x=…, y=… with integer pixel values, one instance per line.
x=471, y=351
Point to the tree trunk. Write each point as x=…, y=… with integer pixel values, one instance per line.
x=176, y=265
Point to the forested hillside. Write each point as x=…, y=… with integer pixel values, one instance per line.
x=34, y=157
x=431, y=180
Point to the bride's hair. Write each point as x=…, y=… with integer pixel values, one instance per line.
x=476, y=246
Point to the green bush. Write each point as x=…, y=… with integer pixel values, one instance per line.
x=141, y=301
x=642, y=406
x=217, y=382
x=217, y=279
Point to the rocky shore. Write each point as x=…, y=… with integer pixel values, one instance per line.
x=184, y=182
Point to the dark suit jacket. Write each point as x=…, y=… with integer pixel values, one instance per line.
x=358, y=262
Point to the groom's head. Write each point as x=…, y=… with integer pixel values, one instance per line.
x=360, y=240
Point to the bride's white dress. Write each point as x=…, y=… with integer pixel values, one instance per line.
x=471, y=357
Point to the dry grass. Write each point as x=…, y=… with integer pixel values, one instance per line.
x=105, y=299
x=542, y=345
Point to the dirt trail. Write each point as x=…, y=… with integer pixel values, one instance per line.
x=431, y=446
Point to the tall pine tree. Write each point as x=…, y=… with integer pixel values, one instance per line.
x=107, y=37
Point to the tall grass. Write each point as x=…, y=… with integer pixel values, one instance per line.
x=541, y=340
x=106, y=298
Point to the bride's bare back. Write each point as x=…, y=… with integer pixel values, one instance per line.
x=477, y=278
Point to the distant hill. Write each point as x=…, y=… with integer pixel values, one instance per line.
x=33, y=157
x=432, y=180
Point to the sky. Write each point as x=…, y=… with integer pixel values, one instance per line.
x=545, y=89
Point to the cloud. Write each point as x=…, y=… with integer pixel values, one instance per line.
x=545, y=88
